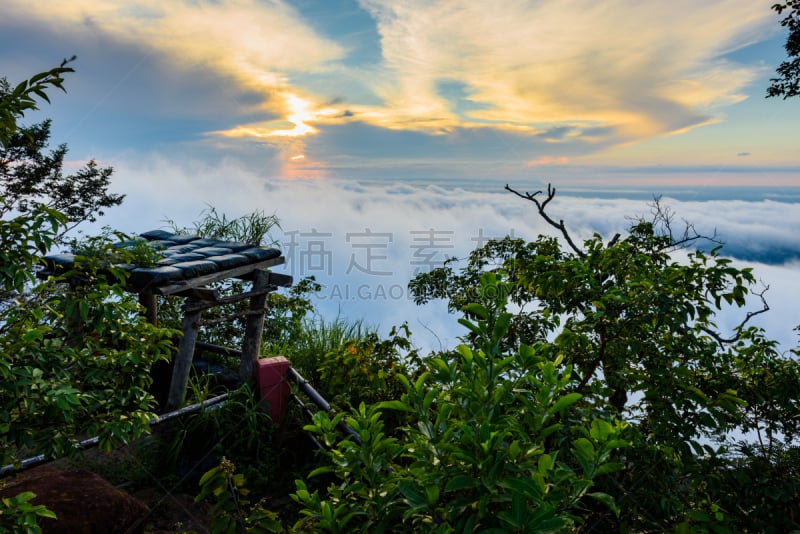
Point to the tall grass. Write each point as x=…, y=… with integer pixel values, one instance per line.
x=253, y=228
x=315, y=338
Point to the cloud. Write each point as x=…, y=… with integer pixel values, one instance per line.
x=252, y=42
x=643, y=68
x=328, y=227
x=616, y=71
x=548, y=160
x=256, y=46
x=743, y=154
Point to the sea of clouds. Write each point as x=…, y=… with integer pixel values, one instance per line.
x=365, y=241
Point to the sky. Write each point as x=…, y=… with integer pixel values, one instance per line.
x=381, y=132
x=418, y=89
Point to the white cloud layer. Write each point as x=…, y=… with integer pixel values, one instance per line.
x=325, y=227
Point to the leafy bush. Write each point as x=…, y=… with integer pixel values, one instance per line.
x=365, y=368
x=232, y=510
x=484, y=445
x=19, y=515
x=636, y=325
x=76, y=354
x=77, y=359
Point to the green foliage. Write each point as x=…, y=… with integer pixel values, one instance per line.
x=288, y=324
x=19, y=515
x=38, y=203
x=787, y=84
x=364, y=368
x=30, y=176
x=632, y=321
x=637, y=327
x=232, y=511
x=530, y=322
x=23, y=241
x=76, y=353
x=112, y=248
x=252, y=228
x=484, y=445
x=76, y=356
x=76, y=362
x=15, y=103
x=755, y=492
x=240, y=429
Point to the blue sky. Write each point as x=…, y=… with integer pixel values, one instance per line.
x=416, y=89
x=351, y=117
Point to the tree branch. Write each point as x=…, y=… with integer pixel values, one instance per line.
x=662, y=218
x=721, y=341
x=541, y=205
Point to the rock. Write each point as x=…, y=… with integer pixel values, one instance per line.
x=82, y=501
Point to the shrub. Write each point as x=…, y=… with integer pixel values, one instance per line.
x=484, y=446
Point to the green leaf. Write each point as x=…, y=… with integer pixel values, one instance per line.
x=461, y=482
x=700, y=516
x=394, y=405
x=430, y=396
x=432, y=494
x=477, y=309
x=208, y=475
x=546, y=463
x=584, y=450
x=606, y=499
x=465, y=352
x=470, y=326
x=600, y=430
x=530, y=487
x=501, y=326
x=320, y=471
x=413, y=495
x=608, y=467
x=567, y=400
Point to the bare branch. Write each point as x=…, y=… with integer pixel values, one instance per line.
x=541, y=205
x=738, y=329
x=662, y=219
x=614, y=240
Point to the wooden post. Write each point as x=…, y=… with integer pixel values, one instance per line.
x=251, y=344
x=183, y=360
x=149, y=300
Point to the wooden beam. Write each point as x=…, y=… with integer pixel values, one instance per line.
x=205, y=304
x=217, y=349
x=200, y=293
x=245, y=271
x=280, y=280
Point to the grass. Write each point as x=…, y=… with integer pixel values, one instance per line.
x=317, y=337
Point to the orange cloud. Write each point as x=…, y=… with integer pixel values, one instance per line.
x=621, y=71
x=550, y=62
x=547, y=160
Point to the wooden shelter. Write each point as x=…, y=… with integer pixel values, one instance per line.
x=187, y=266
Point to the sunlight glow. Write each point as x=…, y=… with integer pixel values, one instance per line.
x=300, y=112
x=557, y=82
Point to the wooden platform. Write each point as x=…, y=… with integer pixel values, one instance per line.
x=186, y=266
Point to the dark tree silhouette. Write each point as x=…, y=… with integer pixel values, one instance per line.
x=787, y=84
x=32, y=174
